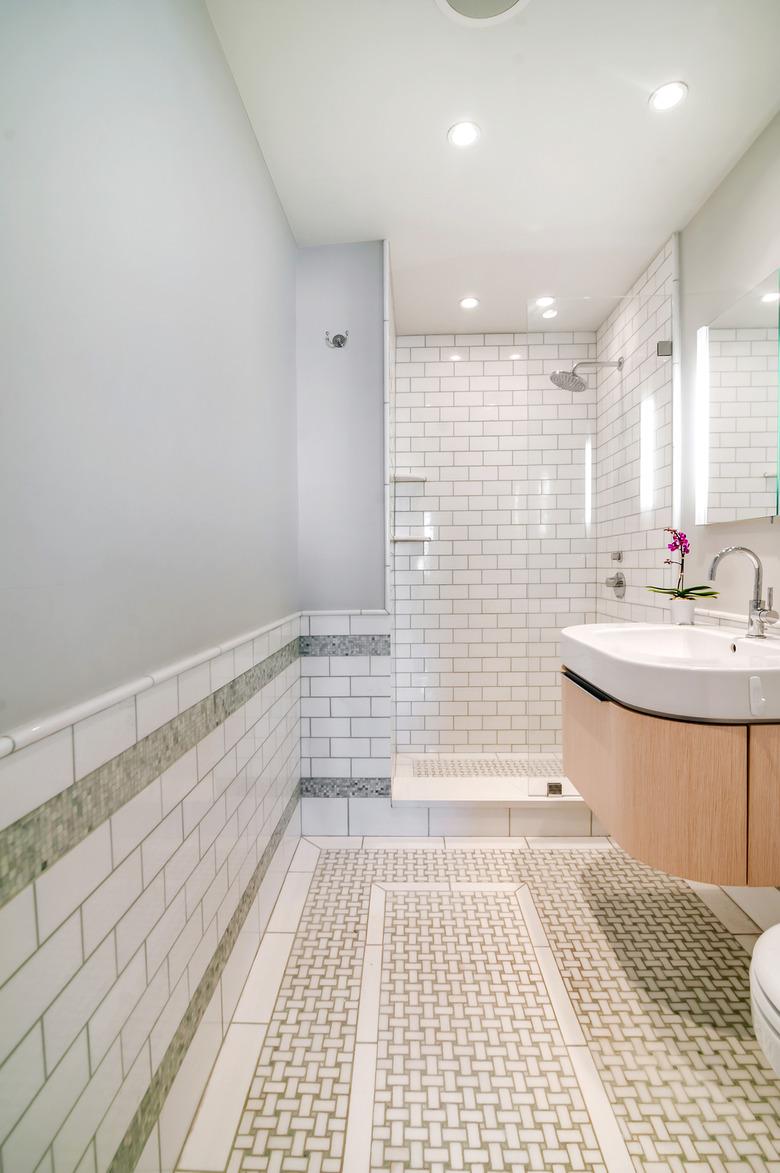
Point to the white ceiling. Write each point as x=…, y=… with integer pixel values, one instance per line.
x=575, y=181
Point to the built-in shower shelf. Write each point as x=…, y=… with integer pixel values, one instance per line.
x=409, y=480
x=399, y=538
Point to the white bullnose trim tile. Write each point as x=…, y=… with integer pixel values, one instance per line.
x=23, y=735
x=207, y=1148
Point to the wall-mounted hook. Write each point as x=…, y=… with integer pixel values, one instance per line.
x=338, y=341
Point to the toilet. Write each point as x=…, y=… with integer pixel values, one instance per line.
x=765, y=994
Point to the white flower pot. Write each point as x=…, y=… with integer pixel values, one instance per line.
x=682, y=610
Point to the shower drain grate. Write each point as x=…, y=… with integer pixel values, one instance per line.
x=535, y=767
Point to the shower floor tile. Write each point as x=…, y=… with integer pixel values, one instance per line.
x=500, y=779
x=544, y=1008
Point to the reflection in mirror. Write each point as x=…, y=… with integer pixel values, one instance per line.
x=737, y=409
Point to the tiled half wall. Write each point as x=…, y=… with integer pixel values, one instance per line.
x=133, y=898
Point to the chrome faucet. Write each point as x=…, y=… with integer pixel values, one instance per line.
x=759, y=613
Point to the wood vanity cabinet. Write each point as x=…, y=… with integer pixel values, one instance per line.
x=696, y=800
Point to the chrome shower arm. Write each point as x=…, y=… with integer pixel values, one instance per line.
x=597, y=362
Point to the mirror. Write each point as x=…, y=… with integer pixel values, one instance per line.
x=737, y=409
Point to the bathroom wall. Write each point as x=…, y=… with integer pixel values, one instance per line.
x=147, y=333
x=731, y=244
x=341, y=427
x=148, y=508
x=508, y=554
x=633, y=464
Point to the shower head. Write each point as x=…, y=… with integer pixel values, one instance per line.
x=571, y=381
x=568, y=381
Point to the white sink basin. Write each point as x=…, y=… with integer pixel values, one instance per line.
x=707, y=674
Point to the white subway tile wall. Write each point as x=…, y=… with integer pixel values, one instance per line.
x=743, y=423
x=345, y=702
x=502, y=554
x=103, y=952
x=633, y=461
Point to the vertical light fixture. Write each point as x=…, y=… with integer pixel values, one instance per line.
x=702, y=423
x=677, y=412
x=588, y=483
x=647, y=454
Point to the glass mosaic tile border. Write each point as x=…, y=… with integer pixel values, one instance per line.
x=345, y=787
x=345, y=645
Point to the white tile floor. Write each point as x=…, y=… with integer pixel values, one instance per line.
x=211, y=1145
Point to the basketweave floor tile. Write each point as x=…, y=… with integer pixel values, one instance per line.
x=430, y=1018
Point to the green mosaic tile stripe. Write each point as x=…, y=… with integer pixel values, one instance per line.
x=148, y=1112
x=345, y=645
x=345, y=787
x=40, y=838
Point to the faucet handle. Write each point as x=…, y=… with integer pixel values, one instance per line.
x=768, y=614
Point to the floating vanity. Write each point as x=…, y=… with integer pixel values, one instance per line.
x=672, y=737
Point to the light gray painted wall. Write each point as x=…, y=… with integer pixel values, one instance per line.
x=726, y=249
x=340, y=427
x=147, y=426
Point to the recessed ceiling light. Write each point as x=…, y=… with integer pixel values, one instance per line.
x=668, y=96
x=469, y=303
x=463, y=134
x=550, y=314
x=768, y=297
x=544, y=301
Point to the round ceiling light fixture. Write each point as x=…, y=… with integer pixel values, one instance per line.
x=469, y=303
x=481, y=12
x=543, y=302
x=550, y=314
x=668, y=96
x=464, y=134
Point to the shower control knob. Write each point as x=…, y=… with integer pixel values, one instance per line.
x=618, y=584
